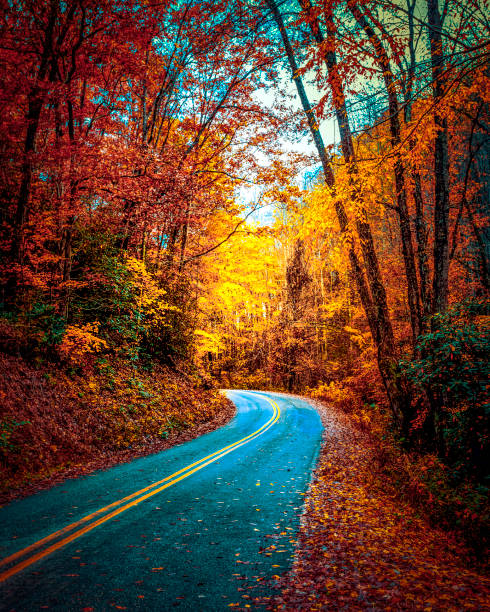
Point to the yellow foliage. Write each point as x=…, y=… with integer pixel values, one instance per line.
x=333, y=392
x=207, y=342
x=80, y=342
x=151, y=306
x=356, y=336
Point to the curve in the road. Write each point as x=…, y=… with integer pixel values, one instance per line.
x=130, y=500
x=212, y=533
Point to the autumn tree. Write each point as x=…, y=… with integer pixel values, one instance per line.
x=345, y=45
x=136, y=128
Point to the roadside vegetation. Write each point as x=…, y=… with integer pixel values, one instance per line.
x=139, y=147
x=109, y=415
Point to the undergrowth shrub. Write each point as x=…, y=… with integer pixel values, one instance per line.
x=424, y=481
x=453, y=371
x=80, y=344
x=430, y=483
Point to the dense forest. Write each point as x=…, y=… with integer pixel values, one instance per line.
x=262, y=194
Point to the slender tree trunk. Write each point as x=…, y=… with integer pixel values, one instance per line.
x=170, y=251
x=67, y=232
x=66, y=249
x=144, y=239
x=413, y=293
x=35, y=105
x=387, y=358
x=21, y=212
x=347, y=144
x=421, y=232
x=185, y=232
x=373, y=298
x=440, y=288
x=357, y=272
x=422, y=259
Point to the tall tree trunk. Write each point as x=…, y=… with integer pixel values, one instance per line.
x=67, y=231
x=347, y=144
x=387, y=358
x=413, y=293
x=356, y=268
x=185, y=232
x=21, y=212
x=35, y=104
x=440, y=288
x=171, y=246
x=422, y=259
x=421, y=232
x=66, y=248
x=373, y=297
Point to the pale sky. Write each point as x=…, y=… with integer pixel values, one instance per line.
x=328, y=129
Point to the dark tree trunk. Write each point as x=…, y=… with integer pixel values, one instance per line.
x=373, y=296
x=378, y=293
x=413, y=293
x=35, y=105
x=356, y=267
x=441, y=166
x=421, y=232
x=185, y=233
x=387, y=358
x=170, y=251
x=21, y=212
x=422, y=259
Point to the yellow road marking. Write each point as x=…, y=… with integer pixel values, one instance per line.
x=60, y=532
x=169, y=481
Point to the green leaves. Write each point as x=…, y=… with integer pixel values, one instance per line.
x=454, y=371
x=454, y=357
x=7, y=427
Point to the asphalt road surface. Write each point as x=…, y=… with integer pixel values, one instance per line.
x=200, y=526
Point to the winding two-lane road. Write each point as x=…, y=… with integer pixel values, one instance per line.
x=189, y=527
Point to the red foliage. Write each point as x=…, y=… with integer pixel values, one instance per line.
x=104, y=420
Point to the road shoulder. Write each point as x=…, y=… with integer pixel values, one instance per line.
x=359, y=547
x=110, y=458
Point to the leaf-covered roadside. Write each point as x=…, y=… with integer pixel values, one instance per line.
x=55, y=426
x=361, y=548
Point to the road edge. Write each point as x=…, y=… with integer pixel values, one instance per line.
x=108, y=460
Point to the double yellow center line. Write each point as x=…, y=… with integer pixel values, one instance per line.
x=91, y=521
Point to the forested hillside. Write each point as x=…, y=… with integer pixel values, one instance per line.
x=141, y=145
